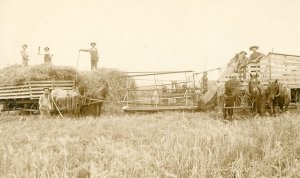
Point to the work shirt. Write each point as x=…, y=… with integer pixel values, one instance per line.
x=47, y=57
x=45, y=102
x=255, y=57
x=93, y=52
x=24, y=54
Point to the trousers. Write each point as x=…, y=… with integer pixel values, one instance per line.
x=94, y=64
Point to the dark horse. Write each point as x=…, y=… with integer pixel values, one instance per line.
x=256, y=95
x=278, y=95
x=231, y=97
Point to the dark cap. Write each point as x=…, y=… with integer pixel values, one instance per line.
x=243, y=52
x=46, y=48
x=25, y=45
x=252, y=47
x=93, y=43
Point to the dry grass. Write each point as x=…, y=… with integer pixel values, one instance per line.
x=158, y=145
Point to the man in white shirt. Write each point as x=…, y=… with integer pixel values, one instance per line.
x=24, y=55
x=45, y=103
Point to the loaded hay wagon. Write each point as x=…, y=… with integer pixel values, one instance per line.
x=25, y=96
x=21, y=87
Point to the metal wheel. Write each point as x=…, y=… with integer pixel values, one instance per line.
x=34, y=109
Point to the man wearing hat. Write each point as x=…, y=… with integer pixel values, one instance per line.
x=47, y=55
x=94, y=55
x=24, y=55
x=45, y=103
x=242, y=64
x=255, y=56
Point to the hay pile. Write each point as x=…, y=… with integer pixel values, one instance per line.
x=16, y=74
x=88, y=82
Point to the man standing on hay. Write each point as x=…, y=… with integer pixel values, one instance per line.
x=24, y=55
x=94, y=55
x=45, y=103
x=47, y=55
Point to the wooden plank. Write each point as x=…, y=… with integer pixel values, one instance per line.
x=56, y=87
x=288, y=63
x=288, y=78
x=14, y=97
x=289, y=68
x=281, y=54
x=159, y=108
x=14, y=90
x=49, y=85
x=13, y=87
x=287, y=73
x=51, y=81
x=15, y=94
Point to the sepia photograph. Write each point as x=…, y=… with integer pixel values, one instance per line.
x=149, y=88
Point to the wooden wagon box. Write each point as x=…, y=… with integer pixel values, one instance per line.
x=25, y=96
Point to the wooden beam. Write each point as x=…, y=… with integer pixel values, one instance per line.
x=280, y=54
x=158, y=73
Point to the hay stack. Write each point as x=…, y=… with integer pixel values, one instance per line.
x=87, y=82
x=16, y=74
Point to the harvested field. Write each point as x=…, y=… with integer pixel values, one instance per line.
x=157, y=145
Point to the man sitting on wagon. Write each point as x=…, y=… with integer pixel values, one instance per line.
x=255, y=56
x=45, y=103
x=238, y=64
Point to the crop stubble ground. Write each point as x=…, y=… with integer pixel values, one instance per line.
x=150, y=145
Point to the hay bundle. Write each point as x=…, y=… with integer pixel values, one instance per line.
x=88, y=82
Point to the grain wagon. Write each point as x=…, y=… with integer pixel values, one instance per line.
x=284, y=68
x=25, y=96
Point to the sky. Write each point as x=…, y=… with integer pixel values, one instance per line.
x=147, y=35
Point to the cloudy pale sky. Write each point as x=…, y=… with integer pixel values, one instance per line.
x=139, y=35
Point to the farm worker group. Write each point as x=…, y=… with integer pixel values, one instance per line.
x=48, y=56
x=240, y=61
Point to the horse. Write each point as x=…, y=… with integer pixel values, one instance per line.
x=255, y=95
x=230, y=97
x=278, y=94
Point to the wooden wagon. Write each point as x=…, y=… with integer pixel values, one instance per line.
x=284, y=68
x=25, y=96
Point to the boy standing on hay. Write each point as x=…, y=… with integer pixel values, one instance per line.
x=45, y=103
x=47, y=55
x=94, y=55
x=24, y=55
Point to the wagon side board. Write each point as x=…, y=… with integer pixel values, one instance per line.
x=24, y=95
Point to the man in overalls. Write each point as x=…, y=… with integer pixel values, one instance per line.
x=94, y=55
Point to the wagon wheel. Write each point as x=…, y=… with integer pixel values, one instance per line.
x=34, y=109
